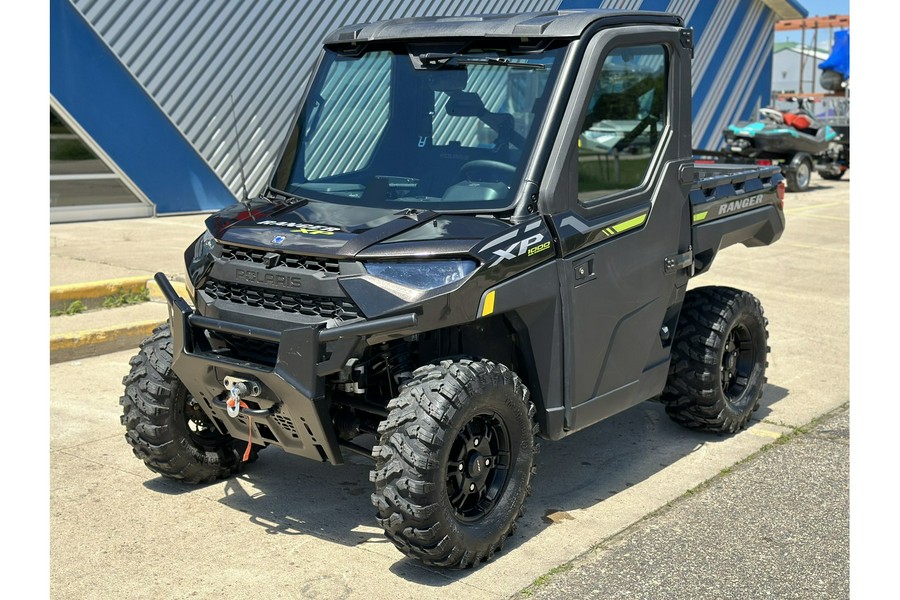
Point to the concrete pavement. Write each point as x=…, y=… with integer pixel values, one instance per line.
x=83, y=253
x=288, y=528
x=94, y=260
x=777, y=525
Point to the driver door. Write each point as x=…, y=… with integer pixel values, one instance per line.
x=627, y=213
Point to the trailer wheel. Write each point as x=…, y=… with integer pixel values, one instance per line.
x=165, y=426
x=454, y=462
x=799, y=176
x=831, y=175
x=718, y=367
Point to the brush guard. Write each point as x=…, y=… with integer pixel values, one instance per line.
x=290, y=409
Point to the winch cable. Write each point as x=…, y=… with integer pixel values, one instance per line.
x=231, y=404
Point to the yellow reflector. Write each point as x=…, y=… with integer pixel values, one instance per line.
x=488, y=304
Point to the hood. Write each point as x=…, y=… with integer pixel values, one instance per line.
x=336, y=230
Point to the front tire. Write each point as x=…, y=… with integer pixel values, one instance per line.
x=166, y=427
x=718, y=367
x=454, y=462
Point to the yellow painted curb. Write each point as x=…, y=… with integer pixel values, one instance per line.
x=96, y=289
x=91, y=342
x=764, y=433
x=156, y=293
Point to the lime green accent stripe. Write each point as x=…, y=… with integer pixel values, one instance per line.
x=700, y=216
x=629, y=224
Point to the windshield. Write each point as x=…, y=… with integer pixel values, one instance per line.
x=416, y=127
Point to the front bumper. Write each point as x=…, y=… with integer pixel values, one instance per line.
x=291, y=410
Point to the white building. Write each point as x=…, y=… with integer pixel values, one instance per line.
x=789, y=60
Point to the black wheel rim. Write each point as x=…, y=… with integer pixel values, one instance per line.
x=478, y=467
x=738, y=359
x=199, y=428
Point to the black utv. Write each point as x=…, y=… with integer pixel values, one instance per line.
x=440, y=270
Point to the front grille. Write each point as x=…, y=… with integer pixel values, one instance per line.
x=274, y=258
x=257, y=351
x=325, y=307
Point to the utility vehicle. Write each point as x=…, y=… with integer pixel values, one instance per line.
x=437, y=273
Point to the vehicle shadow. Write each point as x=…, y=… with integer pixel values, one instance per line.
x=286, y=495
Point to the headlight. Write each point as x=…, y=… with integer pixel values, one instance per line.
x=198, y=261
x=424, y=275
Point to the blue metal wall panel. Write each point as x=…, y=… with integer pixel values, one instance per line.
x=190, y=56
x=710, y=88
x=106, y=101
x=740, y=75
x=657, y=5
x=731, y=71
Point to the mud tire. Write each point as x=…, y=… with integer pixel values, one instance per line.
x=428, y=456
x=166, y=428
x=719, y=359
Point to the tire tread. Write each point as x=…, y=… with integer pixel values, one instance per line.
x=406, y=497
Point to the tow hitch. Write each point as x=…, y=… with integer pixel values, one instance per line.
x=237, y=390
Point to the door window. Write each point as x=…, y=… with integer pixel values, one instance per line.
x=625, y=120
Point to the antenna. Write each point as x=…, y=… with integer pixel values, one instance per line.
x=245, y=200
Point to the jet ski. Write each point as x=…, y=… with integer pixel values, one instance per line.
x=792, y=138
x=779, y=134
x=608, y=135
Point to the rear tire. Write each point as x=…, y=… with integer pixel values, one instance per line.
x=454, y=462
x=831, y=176
x=718, y=367
x=166, y=427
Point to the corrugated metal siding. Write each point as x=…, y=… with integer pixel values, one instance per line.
x=732, y=59
x=191, y=55
x=350, y=125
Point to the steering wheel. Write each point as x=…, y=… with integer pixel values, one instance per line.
x=771, y=113
x=481, y=170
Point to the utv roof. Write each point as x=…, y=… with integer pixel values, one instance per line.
x=550, y=24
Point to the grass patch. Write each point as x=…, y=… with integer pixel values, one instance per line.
x=602, y=173
x=123, y=298
x=545, y=578
x=75, y=307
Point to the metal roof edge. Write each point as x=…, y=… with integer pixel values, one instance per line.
x=787, y=9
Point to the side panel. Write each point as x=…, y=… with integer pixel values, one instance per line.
x=530, y=303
